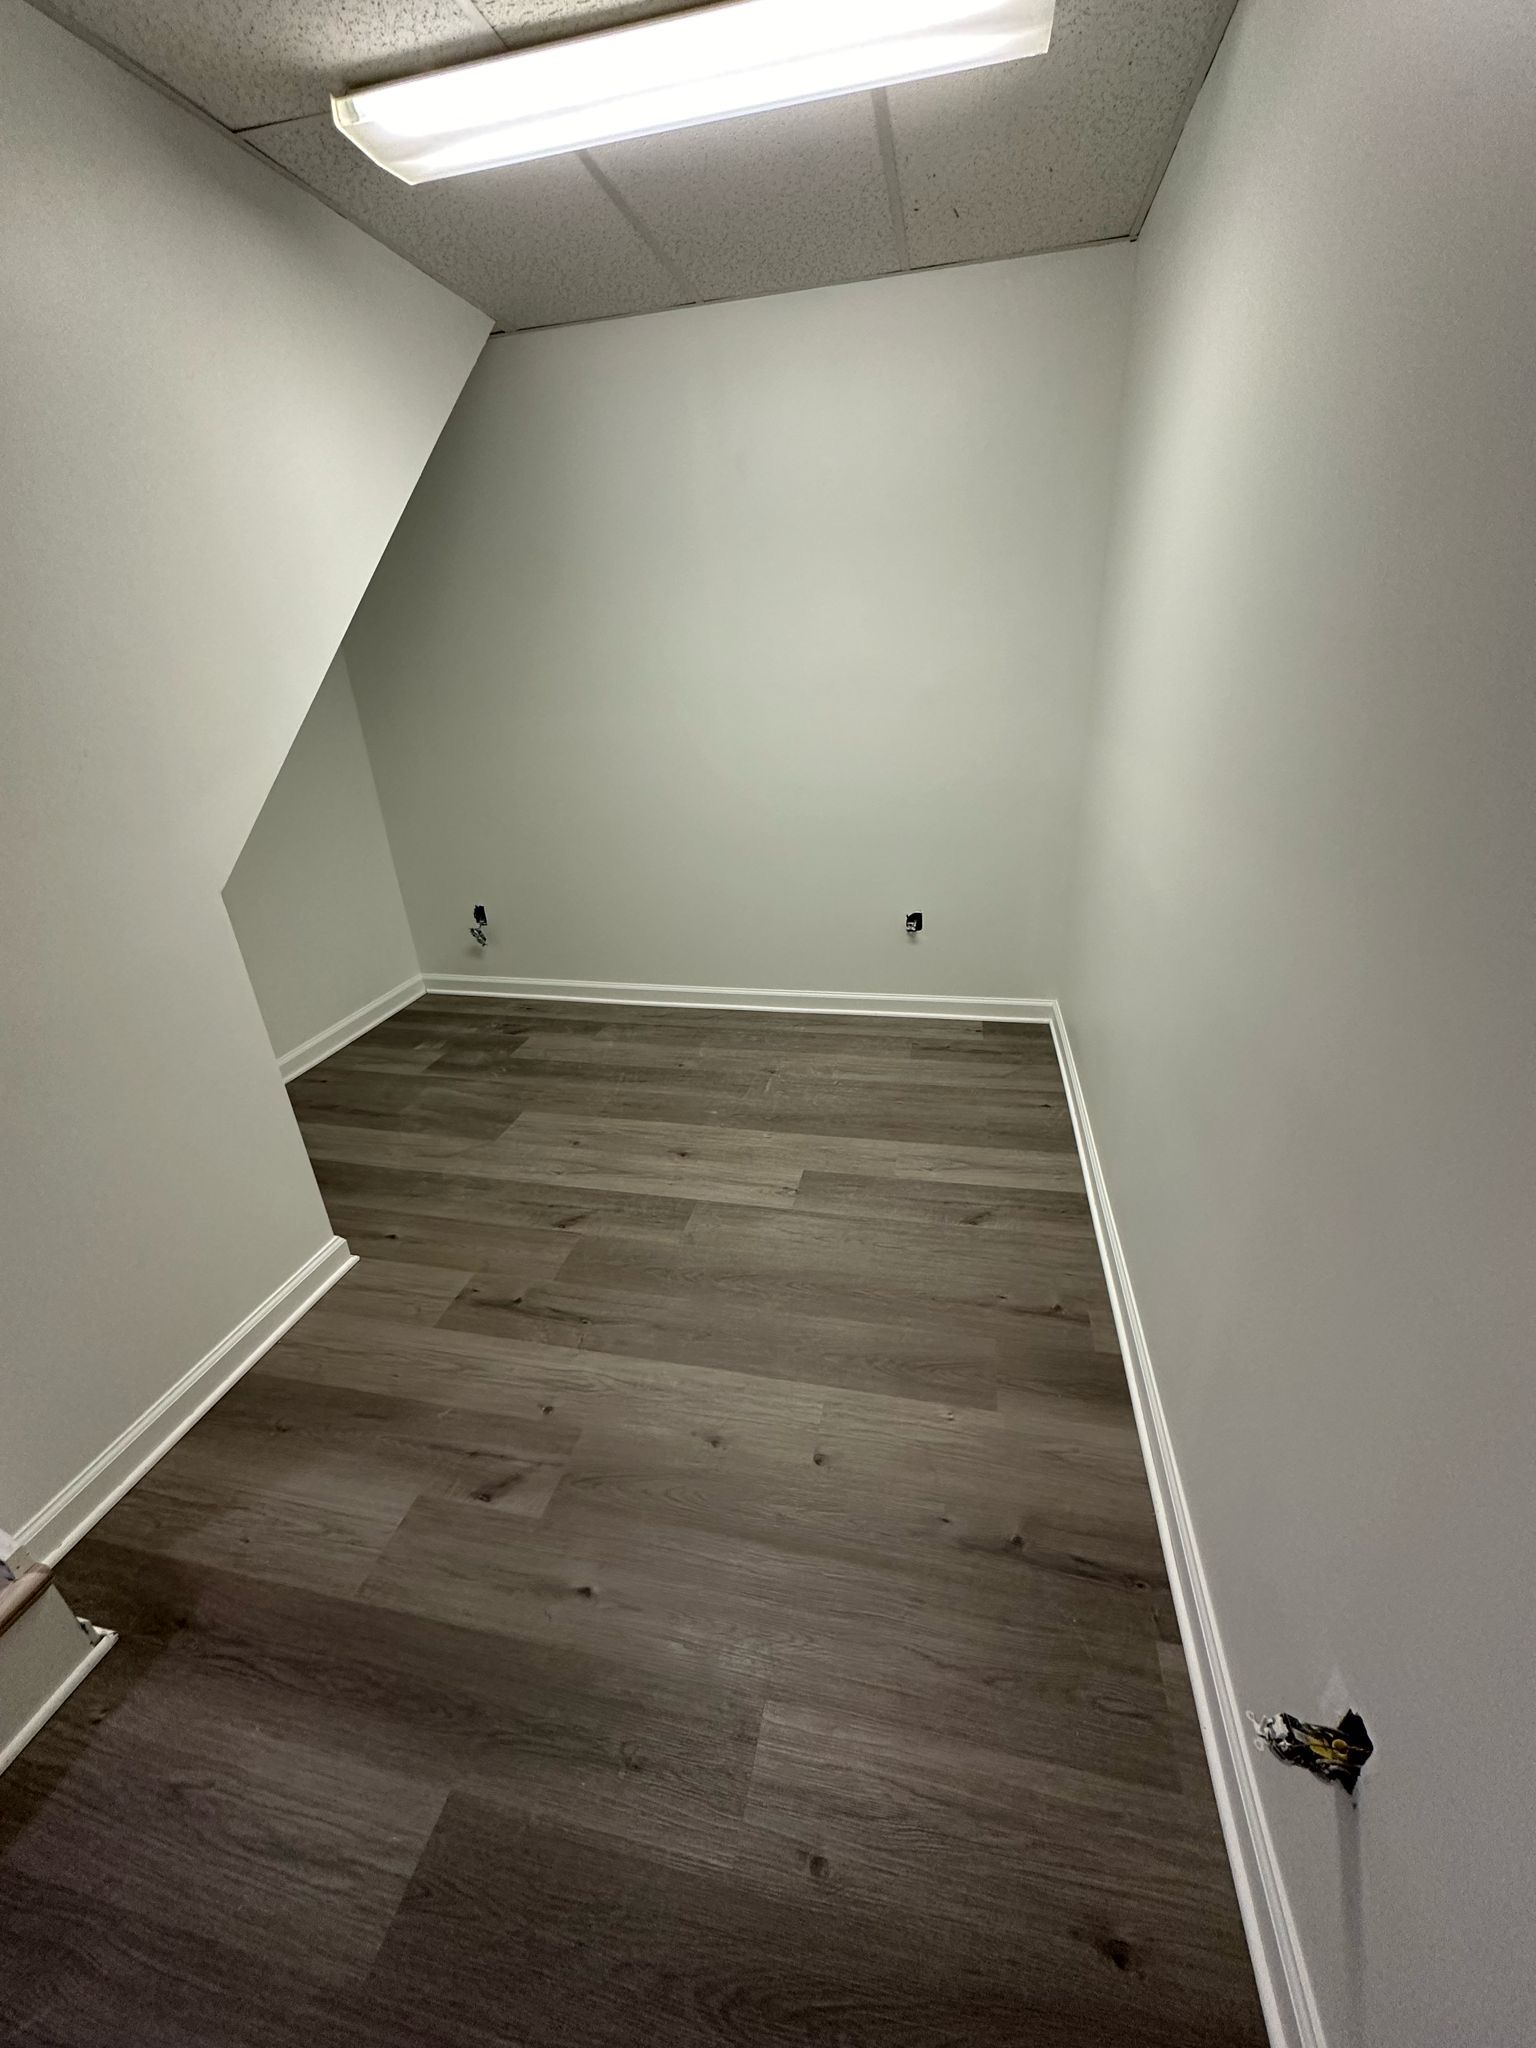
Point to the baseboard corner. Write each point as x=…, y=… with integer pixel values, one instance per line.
x=82, y=1501
x=301, y=1058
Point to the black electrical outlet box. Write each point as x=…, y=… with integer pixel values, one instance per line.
x=914, y=920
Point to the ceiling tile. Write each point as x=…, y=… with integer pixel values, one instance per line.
x=768, y=203
x=1040, y=155
x=1058, y=149
x=250, y=61
x=537, y=21
x=534, y=245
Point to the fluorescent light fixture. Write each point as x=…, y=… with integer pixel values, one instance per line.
x=708, y=64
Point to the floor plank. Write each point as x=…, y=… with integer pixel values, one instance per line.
x=549, y=1924
x=693, y=1582
x=396, y=1290
x=926, y=1826
x=256, y=1840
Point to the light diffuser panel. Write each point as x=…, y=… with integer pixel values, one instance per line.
x=708, y=64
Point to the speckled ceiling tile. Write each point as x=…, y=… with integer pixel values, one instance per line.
x=1039, y=155
x=533, y=245
x=767, y=203
x=1058, y=149
x=250, y=61
x=538, y=21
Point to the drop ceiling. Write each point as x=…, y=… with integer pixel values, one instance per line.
x=1047, y=154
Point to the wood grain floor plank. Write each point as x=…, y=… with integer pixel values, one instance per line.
x=299, y=1855
x=820, y=1627
x=511, y=1463
x=940, y=1160
x=491, y=1198
x=396, y=1290
x=642, y=1600
x=381, y=1145
x=651, y=1157
x=379, y=1055
x=524, y=1252
x=321, y=1526
x=1048, y=1219
x=549, y=1381
x=802, y=1491
x=827, y=1264
x=80, y=1975
x=559, y=1930
x=1064, y=1493
x=1008, y=1118
x=677, y=1158
x=457, y=1108
x=694, y=1582
x=925, y=1826
x=924, y=1359
x=647, y=1756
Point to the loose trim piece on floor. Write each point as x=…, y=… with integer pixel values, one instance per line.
x=694, y=1582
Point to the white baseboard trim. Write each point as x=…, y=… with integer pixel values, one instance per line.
x=1285, y=1985
x=95, y=1651
x=802, y=1001
x=79, y=1505
x=291, y=1064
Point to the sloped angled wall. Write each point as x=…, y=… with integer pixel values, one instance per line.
x=218, y=397
x=314, y=898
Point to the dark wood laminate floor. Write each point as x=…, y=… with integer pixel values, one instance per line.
x=692, y=1583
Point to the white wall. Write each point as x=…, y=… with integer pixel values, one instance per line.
x=715, y=641
x=313, y=897
x=217, y=398
x=1304, y=986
